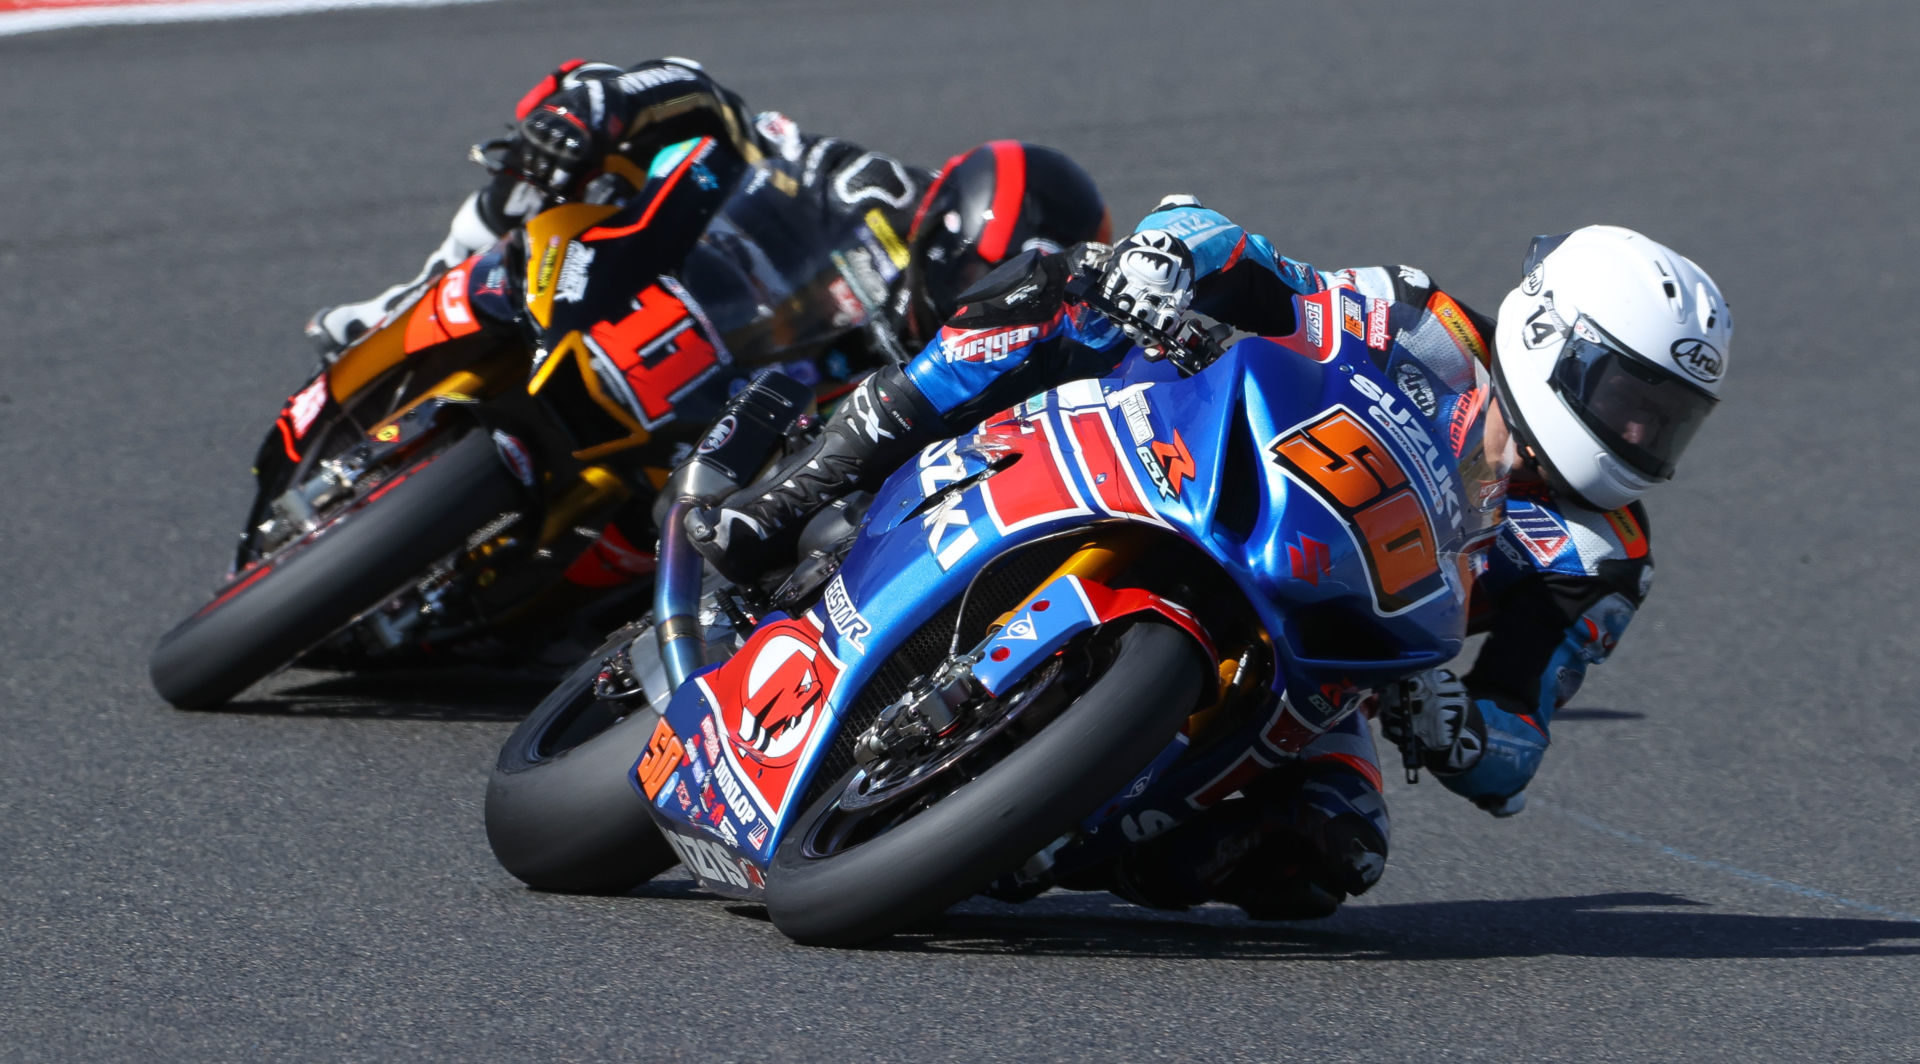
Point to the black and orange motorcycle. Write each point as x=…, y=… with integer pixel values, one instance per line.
x=458, y=480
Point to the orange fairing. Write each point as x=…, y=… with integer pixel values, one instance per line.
x=369, y=357
x=549, y=236
x=443, y=313
x=700, y=151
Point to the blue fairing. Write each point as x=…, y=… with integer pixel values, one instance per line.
x=1302, y=430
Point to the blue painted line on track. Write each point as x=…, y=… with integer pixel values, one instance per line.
x=1719, y=866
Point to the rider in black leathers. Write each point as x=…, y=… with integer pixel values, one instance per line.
x=925, y=235
x=922, y=236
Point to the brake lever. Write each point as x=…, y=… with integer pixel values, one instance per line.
x=481, y=155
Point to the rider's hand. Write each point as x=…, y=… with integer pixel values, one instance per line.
x=557, y=142
x=1432, y=711
x=1149, y=282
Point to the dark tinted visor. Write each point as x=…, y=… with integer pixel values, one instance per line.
x=1641, y=412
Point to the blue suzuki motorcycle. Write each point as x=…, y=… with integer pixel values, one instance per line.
x=1099, y=614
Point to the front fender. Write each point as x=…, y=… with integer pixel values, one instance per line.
x=1063, y=609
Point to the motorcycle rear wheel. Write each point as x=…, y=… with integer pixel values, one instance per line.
x=296, y=597
x=562, y=812
x=939, y=856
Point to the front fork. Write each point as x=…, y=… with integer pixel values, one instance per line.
x=1073, y=599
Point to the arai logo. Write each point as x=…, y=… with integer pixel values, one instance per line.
x=1699, y=358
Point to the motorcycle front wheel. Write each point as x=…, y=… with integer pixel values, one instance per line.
x=562, y=812
x=291, y=599
x=823, y=891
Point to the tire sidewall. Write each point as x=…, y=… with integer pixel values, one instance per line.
x=351, y=565
x=573, y=822
x=1019, y=805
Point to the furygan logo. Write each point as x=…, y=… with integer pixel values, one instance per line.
x=993, y=346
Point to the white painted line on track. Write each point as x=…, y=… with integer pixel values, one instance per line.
x=68, y=17
x=1739, y=873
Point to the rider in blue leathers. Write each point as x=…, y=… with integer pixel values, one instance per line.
x=1568, y=567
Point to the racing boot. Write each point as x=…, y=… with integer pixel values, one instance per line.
x=482, y=217
x=1299, y=841
x=1331, y=844
x=874, y=429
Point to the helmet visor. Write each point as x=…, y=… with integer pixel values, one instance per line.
x=1642, y=413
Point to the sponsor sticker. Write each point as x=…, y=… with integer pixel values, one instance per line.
x=986, y=345
x=305, y=406
x=453, y=298
x=845, y=616
x=572, y=286
x=847, y=308
x=1377, y=324
x=707, y=859
x=657, y=764
x=1700, y=359
x=1414, y=385
x=768, y=701
x=717, y=436
x=1538, y=531
x=1464, y=335
x=883, y=231
x=1352, y=318
x=549, y=260
x=730, y=789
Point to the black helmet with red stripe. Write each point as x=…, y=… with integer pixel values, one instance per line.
x=988, y=205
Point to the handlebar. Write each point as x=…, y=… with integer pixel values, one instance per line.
x=1191, y=347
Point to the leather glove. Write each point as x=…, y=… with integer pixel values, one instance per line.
x=1149, y=283
x=560, y=140
x=1431, y=714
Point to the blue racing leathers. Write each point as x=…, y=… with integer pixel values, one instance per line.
x=1554, y=596
x=1554, y=592
x=1017, y=333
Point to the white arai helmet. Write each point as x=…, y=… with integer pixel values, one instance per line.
x=1608, y=357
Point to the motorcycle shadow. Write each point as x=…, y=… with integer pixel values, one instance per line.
x=1596, y=713
x=1624, y=925
x=462, y=693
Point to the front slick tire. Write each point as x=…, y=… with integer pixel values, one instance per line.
x=562, y=811
x=947, y=852
x=307, y=591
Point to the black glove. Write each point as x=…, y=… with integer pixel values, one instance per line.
x=559, y=140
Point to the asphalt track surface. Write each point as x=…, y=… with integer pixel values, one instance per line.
x=1721, y=862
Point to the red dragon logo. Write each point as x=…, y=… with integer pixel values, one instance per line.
x=768, y=698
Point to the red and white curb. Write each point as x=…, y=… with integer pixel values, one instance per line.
x=30, y=16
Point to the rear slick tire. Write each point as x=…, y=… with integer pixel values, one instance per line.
x=964, y=841
x=288, y=602
x=570, y=820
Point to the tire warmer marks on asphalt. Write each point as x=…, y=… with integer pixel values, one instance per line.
x=29, y=16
